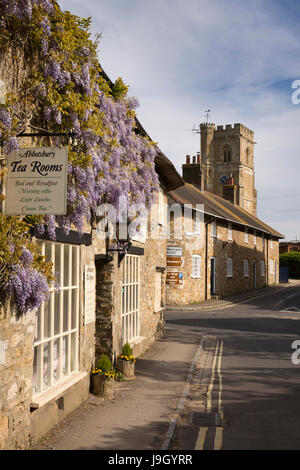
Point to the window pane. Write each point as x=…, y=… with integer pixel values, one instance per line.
x=47, y=320
x=38, y=326
x=55, y=360
x=57, y=313
x=46, y=366
x=65, y=341
x=48, y=252
x=57, y=262
x=75, y=266
x=36, y=370
x=75, y=301
x=73, y=352
x=66, y=311
x=66, y=265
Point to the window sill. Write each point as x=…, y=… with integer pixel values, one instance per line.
x=54, y=392
x=135, y=341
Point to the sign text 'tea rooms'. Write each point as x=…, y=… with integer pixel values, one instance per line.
x=36, y=181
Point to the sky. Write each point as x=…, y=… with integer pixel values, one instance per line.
x=237, y=58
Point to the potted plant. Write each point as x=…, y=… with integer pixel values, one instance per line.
x=126, y=362
x=102, y=378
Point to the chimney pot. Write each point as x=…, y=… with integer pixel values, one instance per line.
x=188, y=159
x=194, y=159
x=198, y=158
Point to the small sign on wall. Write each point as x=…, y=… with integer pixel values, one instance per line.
x=174, y=262
x=174, y=251
x=174, y=279
x=89, y=294
x=36, y=182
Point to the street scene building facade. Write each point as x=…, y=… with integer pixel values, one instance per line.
x=110, y=292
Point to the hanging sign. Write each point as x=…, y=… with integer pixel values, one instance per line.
x=36, y=182
x=89, y=294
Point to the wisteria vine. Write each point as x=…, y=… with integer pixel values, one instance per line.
x=65, y=91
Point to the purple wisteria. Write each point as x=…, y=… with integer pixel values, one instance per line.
x=27, y=286
x=108, y=158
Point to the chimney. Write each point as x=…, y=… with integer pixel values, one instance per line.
x=192, y=171
x=229, y=190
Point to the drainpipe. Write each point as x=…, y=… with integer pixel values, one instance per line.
x=206, y=255
x=267, y=267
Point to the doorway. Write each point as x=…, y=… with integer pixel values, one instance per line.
x=254, y=274
x=213, y=276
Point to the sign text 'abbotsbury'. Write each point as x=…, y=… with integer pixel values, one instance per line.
x=36, y=181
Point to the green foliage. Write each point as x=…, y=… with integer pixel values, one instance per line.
x=126, y=350
x=119, y=89
x=104, y=363
x=292, y=261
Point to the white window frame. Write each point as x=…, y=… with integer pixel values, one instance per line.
x=56, y=343
x=130, y=298
x=271, y=266
x=196, y=266
x=229, y=231
x=254, y=238
x=214, y=229
x=229, y=267
x=262, y=268
x=246, y=268
x=271, y=243
x=246, y=235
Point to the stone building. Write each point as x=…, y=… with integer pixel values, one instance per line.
x=289, y=247
x=230, y=250
x=227, y=163
x=104, y=299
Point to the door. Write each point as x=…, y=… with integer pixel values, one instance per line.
x=212, y=276
x=254, y=274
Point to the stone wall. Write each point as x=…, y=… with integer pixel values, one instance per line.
x=152, y=259
x=20, y=422
x=194, y=290
x=16, y=360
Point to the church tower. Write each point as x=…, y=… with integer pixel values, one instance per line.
x=227, y=163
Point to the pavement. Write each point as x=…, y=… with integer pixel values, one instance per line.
x=178, y=385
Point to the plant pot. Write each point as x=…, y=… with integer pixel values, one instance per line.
x=102, y=386
x=126, y=368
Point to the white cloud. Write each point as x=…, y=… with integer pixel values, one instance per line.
x=238, y=59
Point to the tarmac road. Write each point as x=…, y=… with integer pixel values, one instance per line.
x=244, y=391
x=252, y=395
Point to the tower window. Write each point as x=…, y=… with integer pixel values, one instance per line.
x=247, y=156
x=227, y=154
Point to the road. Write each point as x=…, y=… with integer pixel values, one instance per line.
x=224, y=376
x=251, y=398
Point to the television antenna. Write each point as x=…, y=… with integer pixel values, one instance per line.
x=207, y=114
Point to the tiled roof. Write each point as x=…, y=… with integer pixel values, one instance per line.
x=220, y=208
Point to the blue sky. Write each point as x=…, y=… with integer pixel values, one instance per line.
x=237, y=58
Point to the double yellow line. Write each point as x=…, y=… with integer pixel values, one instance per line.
x=216, y=368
